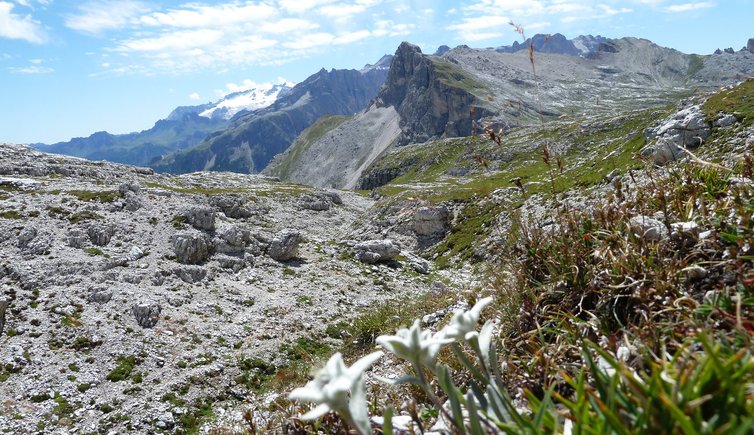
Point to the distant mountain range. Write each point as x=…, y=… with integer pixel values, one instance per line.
x=184, y=127
x=583, y=46
x=253, y=138
x=329, y=128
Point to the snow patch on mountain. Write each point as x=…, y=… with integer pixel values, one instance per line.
x=257, y=97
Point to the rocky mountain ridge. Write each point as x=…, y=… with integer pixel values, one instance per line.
x=466, y=89
x=253, y=139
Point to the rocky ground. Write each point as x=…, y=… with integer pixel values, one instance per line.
x=128, y=299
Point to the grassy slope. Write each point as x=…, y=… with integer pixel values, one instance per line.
x=686, y=337
x=588, y=151
x=291, y=158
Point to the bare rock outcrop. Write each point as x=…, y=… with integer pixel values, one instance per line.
x=234, y=206
x=191, y=247
x=687, y=129
x=284, y=246
x=100, y=234
x=431, y=221
x=374, y=251
x=201, y=218
x=147, y=314
x=4, y=303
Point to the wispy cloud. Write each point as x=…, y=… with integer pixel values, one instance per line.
x=32, y=69
x=487, y=19
x=684, y=7
x=194, y=96
x=195, y=36
x=23, y=27
x=217, y=16
x=96, y=17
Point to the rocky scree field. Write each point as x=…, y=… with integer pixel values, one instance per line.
x=133, y=301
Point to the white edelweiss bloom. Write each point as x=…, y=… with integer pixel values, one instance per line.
x=413, y=344
x=463, y=324
x=331, y=387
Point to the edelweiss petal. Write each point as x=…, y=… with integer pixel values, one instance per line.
x=463, y=324
x=413, y=344
x=331, y=387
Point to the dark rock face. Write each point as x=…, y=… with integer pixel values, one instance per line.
x=442, y=50
x=147, y=315
x=431, y=96
x=3, y=306
x=254, y=138
x=750, y=45
x=556, y=44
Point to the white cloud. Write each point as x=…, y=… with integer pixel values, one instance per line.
x=684, y=7
x=32, y=69
x=97, y=17
x=300, y=6
x=287, y=25
x=175, y=41
x=350, y=37
x=607, y=10
x=233, y=33
x=310, y=40
x=478, y=23
x=480, y=36
x=194, y=96
x=14, y=26
x=389, y=28
x=218, y=16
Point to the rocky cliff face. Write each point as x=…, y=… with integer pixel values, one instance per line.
x=423, y=98
x=433, y=97
x=254, y=138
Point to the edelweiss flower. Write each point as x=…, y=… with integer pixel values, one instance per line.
x=413, y=344
x=332, y=387
x=463, y=324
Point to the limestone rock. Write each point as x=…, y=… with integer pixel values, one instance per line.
x=687, y=128
x=100, y=235
x=725, y=120
x=648, y=228
x=101, y=296
x=77, y=238
x=320, y=201
x=147, y=315
x=190, y=274
x=316, y=203
x=233, y=206
x=750, y=45
x=284, y=246
x=373, y=251
x=233, y=263
x=430, y=221
x=191, y=247
x=26, y=235
x=201, y=218
x=127, y=187
x=4, y=303
x=33, y=242
x=131, y=201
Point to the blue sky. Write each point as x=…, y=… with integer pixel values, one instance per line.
x=70, y=68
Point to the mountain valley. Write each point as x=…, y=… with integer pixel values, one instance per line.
x=190, y=282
